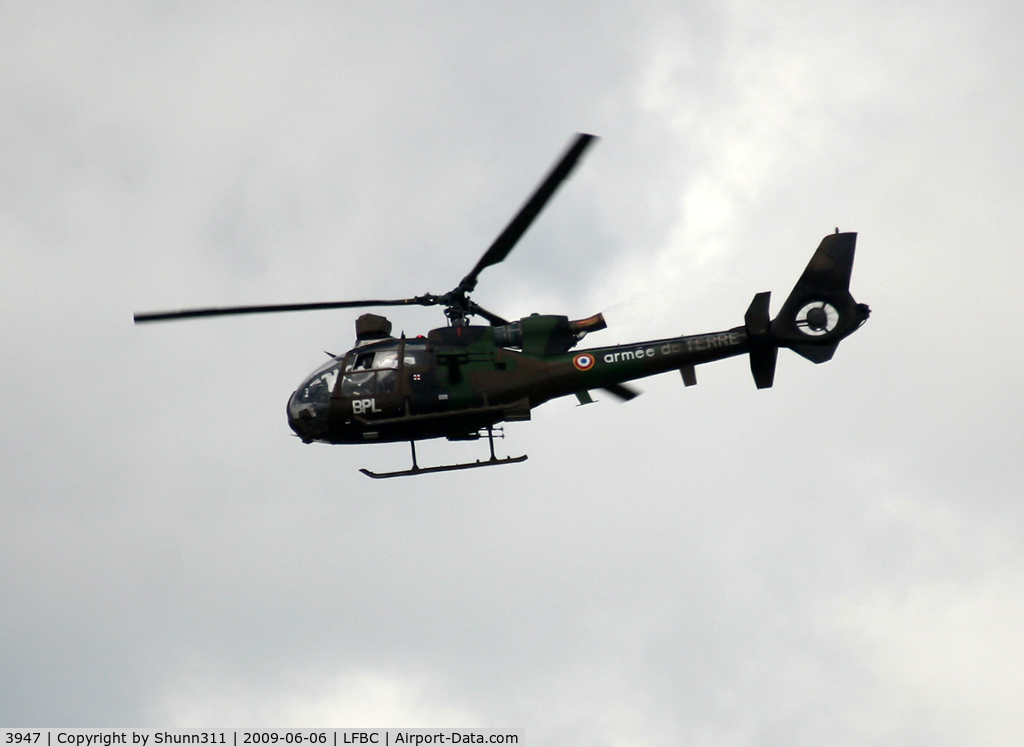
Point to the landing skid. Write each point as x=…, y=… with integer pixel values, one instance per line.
x=418, y=470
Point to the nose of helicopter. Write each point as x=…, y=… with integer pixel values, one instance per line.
x=308, y=422
x=309, y=405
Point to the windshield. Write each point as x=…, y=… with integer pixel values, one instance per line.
x=313, y=397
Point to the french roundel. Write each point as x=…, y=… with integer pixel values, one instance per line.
x=583, y=361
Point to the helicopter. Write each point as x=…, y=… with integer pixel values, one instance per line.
x=461, y=381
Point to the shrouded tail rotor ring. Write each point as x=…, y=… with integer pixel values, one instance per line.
x=817, y=318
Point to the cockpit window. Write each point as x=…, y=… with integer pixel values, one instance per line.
x=369, y=383
x=359, y=384
x=387, y=382
x=386, y=359
x=375, y=372
x=415, y=354
x=361, y=362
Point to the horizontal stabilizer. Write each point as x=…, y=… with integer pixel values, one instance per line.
x=762, y=364
x=757, y=317
x=763, y=350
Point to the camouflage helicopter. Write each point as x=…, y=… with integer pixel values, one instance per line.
x=461, y=381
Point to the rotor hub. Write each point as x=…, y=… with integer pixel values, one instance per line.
x=817, y=319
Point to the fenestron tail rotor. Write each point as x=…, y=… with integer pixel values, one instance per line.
x=817, y=318
x=458, y=306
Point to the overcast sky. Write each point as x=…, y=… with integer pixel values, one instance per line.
x=838, y=560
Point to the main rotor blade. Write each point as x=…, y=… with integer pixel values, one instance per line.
x=494, y=319
x=158, y=316
x=528, y=212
